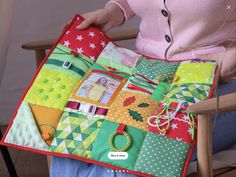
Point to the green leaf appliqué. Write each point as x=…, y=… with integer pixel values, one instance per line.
x=143, y=105
x=135, y=115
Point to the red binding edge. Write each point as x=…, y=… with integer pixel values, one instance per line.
x=82, y=158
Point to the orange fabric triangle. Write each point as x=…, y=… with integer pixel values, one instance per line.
x=47, y=120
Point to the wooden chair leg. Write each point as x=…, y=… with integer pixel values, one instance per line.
x=8, y=161
x=49, y=161
x=40, y=55
x=204, y=146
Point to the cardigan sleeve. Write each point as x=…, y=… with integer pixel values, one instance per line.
x=123, y=4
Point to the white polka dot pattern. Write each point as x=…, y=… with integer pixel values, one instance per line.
x=162, y=156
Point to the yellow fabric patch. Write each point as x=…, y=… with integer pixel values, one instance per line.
x=196, y=73
x=52, y=88
x=132, y=109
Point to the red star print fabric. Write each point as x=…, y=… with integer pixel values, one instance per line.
x=89, y=42
x=179, y=123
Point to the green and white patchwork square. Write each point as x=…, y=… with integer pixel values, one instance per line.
x=76, y=133
x=189, y=93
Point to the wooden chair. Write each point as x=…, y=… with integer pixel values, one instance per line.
x=7, y=159
x=204, y=109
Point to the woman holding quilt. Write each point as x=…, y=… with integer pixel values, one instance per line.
x=172, y=30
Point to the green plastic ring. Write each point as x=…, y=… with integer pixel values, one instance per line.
x=114, y=148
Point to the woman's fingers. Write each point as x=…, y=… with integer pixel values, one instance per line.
x=88, y=20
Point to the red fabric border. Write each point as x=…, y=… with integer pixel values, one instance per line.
x=82, y=158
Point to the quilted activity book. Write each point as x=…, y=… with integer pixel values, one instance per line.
x=92, y=98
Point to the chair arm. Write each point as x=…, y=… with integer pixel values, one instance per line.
x=114, y=36
x=226, y=103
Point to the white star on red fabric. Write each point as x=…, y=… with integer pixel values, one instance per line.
x=92, y=46
x=186, y=118
x=190, y=131
x=174, y=126
x=79, y=37
x=92, y=58
x=179, y=139
x=103, y=44
x=92, y=34
x=80, y=50
x=67, y=43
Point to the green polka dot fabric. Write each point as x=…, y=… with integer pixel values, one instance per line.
x=161, y=156
x=153, y=68
x=89, y=90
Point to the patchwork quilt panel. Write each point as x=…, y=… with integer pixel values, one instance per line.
x=92, y=99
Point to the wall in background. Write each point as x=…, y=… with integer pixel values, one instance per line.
x=36, y=20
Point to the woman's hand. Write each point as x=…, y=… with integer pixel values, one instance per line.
x=105, y=19
x=226, y=61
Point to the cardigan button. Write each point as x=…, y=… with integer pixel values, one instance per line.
x=167, y=38
x=164, y=12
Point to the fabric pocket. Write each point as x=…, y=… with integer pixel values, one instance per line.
x=196, y=71
x=118, y=58
x=132, y=109
x=188, y=93
x=162, y=156
x=151, y=69
x=139, y=84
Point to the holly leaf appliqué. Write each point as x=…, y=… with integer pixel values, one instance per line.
x=135, y=115
x=143, y=105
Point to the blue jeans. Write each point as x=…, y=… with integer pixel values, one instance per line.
x=224, y=136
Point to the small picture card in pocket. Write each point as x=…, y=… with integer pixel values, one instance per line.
x=118, y=58
x=140, y=84
x=98, y=88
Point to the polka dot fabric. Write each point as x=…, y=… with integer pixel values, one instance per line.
x=161, y=156
x=153, y=68
x=132, y=109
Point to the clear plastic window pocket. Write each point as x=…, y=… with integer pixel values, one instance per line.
x=98, y=88
x=118, y=58
x=140, y=84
